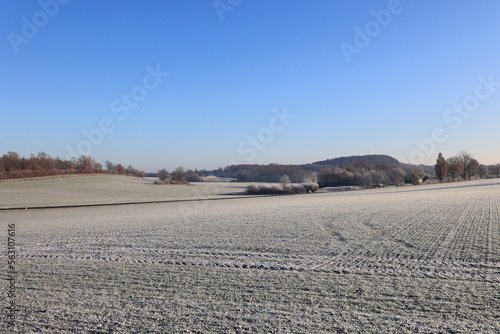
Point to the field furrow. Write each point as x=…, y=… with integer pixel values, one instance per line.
x=374, y=261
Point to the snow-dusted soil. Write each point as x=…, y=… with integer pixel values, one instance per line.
x=95, y=189
x=408, y=260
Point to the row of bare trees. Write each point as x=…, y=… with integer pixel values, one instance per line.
x=121, y=170
x=12, y=166
x=266, y=173
x=371, y=177
x=464, y=166
x=178, y=176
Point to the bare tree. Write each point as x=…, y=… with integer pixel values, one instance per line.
x=163, y=174
x=110, y=166
x=473, y=167
x=379, y=177
x=441, y=167
x=86, y=164
x=33, y=165
x=97, y=168
x=483, y=171
x=193, y=176
x=42, y=164
x=396, y=176
x=11, y=162
x=414, y=174
x=495, y=169
x=470, y=164
x=178, y=175
x=131, y=170
x=367, y=180
x=374, y=178
x=455, y=167
x=284, y=180
x=46, y=161
x=335, y=177
x=120, y=169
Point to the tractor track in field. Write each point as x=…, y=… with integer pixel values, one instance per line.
x=415, y=261
x=340, y=264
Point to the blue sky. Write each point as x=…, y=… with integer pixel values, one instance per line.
x=70, y=67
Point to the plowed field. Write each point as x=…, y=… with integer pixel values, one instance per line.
x=420, y=259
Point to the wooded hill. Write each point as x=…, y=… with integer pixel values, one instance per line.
x=373, y=159
x=301, y=173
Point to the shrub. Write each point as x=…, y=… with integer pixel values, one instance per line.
x=163, y=174
x=178, y=175
x=310, y=186
x=277, y=189
x=414, y=174
x=295, y=189
x=193, y=177
x=284, y=181
x=264, y=189
x=252, y=189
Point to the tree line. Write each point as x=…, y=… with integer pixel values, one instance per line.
x=350, y=172
x=365, y=171
x=13, y=166
x=177, y=176
x=370, y=176
x=463, y=166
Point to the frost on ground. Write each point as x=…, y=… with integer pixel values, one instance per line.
x=95, y=189
x=409, y=260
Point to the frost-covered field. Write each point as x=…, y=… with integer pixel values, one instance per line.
x=416, y=259
x=91, y=189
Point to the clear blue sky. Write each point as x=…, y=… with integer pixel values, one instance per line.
x=232, y=67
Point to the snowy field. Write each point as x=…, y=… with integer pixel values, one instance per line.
x=94, y=189
x=422, y=259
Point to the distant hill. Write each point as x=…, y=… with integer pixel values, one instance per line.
x=298, y=173
x=371, y=158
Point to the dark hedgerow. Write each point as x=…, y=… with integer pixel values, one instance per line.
x=277, y=189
